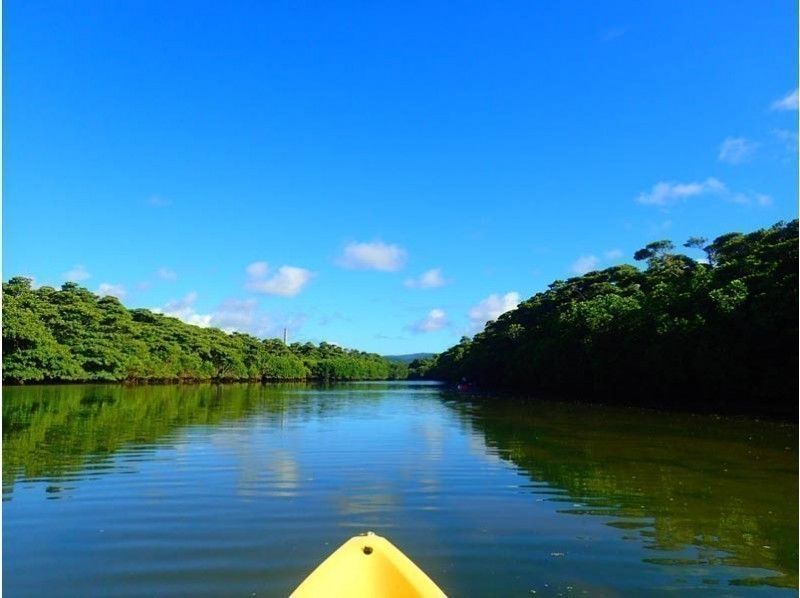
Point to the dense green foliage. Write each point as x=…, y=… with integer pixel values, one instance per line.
x=73, y=335
x=718, y=334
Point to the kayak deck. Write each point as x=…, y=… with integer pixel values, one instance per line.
x=368, y=565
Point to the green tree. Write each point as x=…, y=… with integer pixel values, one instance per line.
x=72, y=334
x=718, y=336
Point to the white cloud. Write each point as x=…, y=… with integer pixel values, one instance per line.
x=240, y=314
x=588, y=263
x=257, y=269
x=435, y=320
x=427, y=280
x=35, y=284
x=492, y=308
x=115, y=290
x=584, y=264
x=762, y=199
x=788, y=139
x=288, y=281
x=373, y=256
x=668, y=193
x=736, y=150
x=232, y=315
x=167, y=274
x=184, y=310
x=77, y=274
x=750, y=198
x=740, y=198
x=787, y=102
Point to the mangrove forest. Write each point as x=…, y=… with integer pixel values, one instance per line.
x=73, y=335
x=713, y=333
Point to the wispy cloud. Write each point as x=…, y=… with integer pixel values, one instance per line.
x=77, y=274
x=584, y=264
x=373, y=256
x=430, y=279
x=492, y=308
x=736, y=150
x=787, y=102
x=257, y=269
x=156, y=201
x=435, y=320
x=184, y=310
x=590, y=262
x=167, y=274
x=114, y=290
x=612, y=33
x=242, y=315
x=35, y=284
x=288, y=281
x=669, y=193
x=788, y=139
x=759, y=199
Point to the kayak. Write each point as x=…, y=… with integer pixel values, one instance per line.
x=368, y=565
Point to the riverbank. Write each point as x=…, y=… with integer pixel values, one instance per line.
x=195, y=381
x=696, y=407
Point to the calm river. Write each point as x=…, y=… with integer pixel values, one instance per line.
x=241, y=490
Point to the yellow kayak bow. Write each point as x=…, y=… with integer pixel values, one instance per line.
x=368, y=565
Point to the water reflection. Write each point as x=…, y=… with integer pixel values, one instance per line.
x=60, y=431
x=715, y=490
x=207, y=490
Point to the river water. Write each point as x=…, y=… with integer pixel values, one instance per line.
x=240, y=490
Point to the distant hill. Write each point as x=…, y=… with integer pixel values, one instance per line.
x=408, y=358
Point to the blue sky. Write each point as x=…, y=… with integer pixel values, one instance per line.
x=386, y=176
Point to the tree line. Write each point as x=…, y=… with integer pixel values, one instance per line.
x=72, y=335
x=718, y=333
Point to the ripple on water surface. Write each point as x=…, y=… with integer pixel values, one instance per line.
x=243, y=489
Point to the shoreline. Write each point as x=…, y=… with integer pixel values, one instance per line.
x=189, y=381
x=510, y=397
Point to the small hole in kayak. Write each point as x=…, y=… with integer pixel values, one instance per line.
x=367, y=549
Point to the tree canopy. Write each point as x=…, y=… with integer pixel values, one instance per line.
x=71, y=334
x=718, y=333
